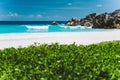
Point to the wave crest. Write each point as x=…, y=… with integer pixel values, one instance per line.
x=37, y=27
x=55, y=28
x=76, y=27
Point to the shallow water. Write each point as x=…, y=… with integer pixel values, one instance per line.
x=44, y=26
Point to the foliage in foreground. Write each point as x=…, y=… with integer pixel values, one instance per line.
x=61, y=62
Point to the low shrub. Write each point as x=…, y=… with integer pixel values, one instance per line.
x=61, y=62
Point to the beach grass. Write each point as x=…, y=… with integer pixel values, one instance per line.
x=61, y=62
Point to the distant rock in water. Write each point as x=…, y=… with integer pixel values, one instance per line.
x=54, y=23
x=104, y=20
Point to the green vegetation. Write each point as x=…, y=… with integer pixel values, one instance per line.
x=61, y=62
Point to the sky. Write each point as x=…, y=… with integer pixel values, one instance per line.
x=49, y=10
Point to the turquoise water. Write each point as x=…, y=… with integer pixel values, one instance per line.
x=40, y=27
x=43, y=28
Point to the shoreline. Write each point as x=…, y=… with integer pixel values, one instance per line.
x=81, y=38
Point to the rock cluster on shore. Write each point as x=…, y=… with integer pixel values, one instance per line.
x=104, y=20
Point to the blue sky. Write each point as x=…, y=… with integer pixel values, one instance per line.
x=43, y=10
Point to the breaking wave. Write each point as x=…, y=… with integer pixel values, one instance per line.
x=55, y=28
x=77, y=27
x=37, y=27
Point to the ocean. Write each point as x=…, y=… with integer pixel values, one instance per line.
x=40, y=27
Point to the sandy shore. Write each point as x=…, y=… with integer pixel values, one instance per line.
x=25, y=39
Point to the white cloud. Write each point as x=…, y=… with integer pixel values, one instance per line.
x=69, y=4
x=16, y=15
x=35, y=16
x=58, y=16
x=55, y=17
x=10, y=14
x=39, y=16
x=99, y=5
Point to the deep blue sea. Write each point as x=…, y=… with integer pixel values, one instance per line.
x=40, y=27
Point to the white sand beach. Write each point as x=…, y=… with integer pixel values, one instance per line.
x=85, y=38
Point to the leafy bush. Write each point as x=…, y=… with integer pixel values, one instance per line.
x=61, y=62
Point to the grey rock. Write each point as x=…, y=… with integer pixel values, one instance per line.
x=73, y=22
x=54, y=23
x=104, y=20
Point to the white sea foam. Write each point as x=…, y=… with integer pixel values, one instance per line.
x=76, y=27
x=70, y=27
x=66, y=27
x=73, y=27
x=37, y=27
